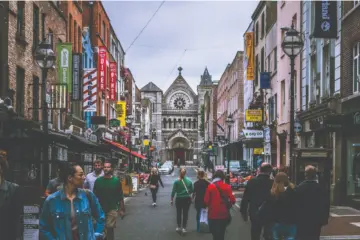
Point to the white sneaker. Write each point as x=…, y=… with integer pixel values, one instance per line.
x=154, y=204
x=184, y=231
x=178, y=229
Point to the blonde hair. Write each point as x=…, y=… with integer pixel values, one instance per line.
x=154, y=171
x=280, y=182
x=182, y=173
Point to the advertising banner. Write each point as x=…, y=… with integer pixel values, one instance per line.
x=249, y=41
x=90, y=89
x=265, y=80
x=76, y=94
x=325, y=24
x=113, y=80
x=102, y=68
x=64, y=61
x=121, y=112
x=253, y=115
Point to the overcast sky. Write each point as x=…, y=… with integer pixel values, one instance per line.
x=211, y=32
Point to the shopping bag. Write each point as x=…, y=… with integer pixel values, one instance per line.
x=204, y=223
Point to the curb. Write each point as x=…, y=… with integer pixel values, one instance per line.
x=340, y=237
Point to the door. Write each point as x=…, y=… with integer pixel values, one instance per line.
x=180, y=156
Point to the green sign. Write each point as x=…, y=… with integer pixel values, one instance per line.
x=64, y=62
x=114, y=123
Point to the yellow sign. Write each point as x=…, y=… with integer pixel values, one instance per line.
x=258, y=151
x=146, y=142
x=249, y=43
x=121, y=112
x=253, y=115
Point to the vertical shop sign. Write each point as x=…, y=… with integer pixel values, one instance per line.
x=121, y=112
x=64, y=59
x=102, y=68
x=325, y=25
x=76, y=77
x=249, y=41
x=113, y=79
x=90, y=89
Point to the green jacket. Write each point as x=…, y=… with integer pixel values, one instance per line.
x=180, y=190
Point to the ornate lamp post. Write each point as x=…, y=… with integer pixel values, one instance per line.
x=45, y=58
x=229, y=122
x=129, y=121
x=292, y=46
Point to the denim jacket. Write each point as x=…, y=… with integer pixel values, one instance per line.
x=55, y=218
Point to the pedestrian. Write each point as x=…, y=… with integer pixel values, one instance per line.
x=154, y=180
x=109, y=191
x=10, y=203
x=219, y=199
x=91, y=177
x=257, y=191
x=69, y=212
x=183, y=189
x=200, y=187
x=313, y=204
x=55, y=184
x=281, y=208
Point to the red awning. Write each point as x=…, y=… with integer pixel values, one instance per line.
x=138, y=155
x=118, y=145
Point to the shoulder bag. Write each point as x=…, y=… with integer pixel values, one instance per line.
x=182, y=180
x=226, y=201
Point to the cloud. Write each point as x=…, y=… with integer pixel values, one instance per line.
x=211, y=32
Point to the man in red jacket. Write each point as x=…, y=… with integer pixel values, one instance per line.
x=219, y=199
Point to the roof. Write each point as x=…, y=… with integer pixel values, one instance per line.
x=205, y=78
x=150, y=87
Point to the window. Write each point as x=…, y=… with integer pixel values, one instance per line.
x=70, y=27
x=51, y=38
x=262, y=66
x=75, y=38
x=356, y=2
x=36, y=98
x=103, y=31
x=262, y=25
x=36, y=27
x=275, y=58
x=356, y=67
x=257, y=33
x=20, y=91
x=43, y=26
x=271, y=109
x=256, y=69
x=268, y=63
x=275, y=107
x=20, y=18
x=283, y=101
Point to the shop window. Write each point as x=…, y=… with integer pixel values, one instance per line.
x=353, y=166
x=20, y=18
x=36, y=27
x=356, y=67
x=43, y=35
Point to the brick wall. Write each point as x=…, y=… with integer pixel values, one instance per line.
x=350, y=35
x=21, y=52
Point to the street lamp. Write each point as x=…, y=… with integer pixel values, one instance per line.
x=229, y=122
x=129, y=121
x=45, y=58
x=292, y=45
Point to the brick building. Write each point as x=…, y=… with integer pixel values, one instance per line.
x=349, y=165
x=4, y=82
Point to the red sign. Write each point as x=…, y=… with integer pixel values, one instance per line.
x=113, y=77
x=102, y=68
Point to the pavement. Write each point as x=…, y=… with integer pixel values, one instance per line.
x=142, y=221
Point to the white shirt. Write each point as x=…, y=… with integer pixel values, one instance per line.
x=90, y=180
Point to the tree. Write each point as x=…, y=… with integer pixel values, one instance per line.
x=202, y=120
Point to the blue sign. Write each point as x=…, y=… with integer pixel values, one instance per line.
x=265, y=80
x=87, y=118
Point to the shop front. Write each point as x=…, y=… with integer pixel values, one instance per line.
x=253, y=139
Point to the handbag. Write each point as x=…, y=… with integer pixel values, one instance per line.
x=182, y=180
x=226, y=202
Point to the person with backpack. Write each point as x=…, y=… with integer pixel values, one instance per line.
x=219, y=199
x=69, y=212
x=154, y=180
x=10, y=203
x=183, y=189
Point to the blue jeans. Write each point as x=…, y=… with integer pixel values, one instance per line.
x=284, y=231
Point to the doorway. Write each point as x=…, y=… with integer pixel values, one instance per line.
x=179, y=156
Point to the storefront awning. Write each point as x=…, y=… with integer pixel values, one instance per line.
x=118, y=145
x=138, y=155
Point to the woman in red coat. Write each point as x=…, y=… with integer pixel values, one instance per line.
x=219, y=199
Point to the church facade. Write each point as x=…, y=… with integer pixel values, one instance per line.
x=177, y=121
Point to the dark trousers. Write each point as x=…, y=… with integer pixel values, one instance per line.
x=182, y=211
x=153, y=193
x=198, y=211
x=308, y=232
x=256, y=229
x=217, y=228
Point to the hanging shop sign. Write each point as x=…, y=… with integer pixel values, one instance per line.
x=64, y=59
x=258, y=151
x=325, y=24
x=90, y=89
x=121, y=112
x=102, y=68
x=113, y=80
x=76, y=77
x=249, y=43
x=114, y=123
x=253, y=115
x=251, y=134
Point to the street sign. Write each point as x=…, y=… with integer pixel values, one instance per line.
x=253, y=115
x=253, y=133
